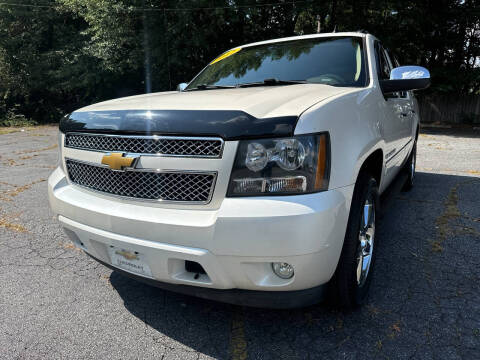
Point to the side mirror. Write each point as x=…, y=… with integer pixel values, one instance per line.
x=405, y=78
x=181, y=86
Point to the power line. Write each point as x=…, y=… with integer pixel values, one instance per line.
x=27, y=5
x=232, y=7
x=235, y=6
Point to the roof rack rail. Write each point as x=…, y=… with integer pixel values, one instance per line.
x=363, y=31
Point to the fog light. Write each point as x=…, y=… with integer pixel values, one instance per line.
x=283, y=270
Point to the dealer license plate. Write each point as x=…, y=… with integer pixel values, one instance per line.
x=129, y=260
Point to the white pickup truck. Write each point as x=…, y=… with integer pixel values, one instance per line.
x=257, y=183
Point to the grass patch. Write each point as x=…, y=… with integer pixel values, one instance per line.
x=7, y=195
x=26, y=127
x=37, y=150
x=5, y=223
x=8, y=130
x=436, y=246
x=70, y=246
x=27, y=157
x=10, y=162
x=394, y=330
x=13, y=119
x=450, y=213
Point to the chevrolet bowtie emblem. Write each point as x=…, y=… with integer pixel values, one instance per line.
x=116, y=161
x=127, y=254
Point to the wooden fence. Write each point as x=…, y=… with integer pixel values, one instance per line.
x=450, y=109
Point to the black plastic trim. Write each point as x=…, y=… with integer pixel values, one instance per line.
x=391, y=86
x=261, y=299
x=366, y=63
x=228, y=124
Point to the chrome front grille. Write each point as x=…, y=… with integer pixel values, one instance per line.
x=158, y=145
x=146, y=184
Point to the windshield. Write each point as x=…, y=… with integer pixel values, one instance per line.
x=336, y=61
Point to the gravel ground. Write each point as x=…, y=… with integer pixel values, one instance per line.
x=55, y=302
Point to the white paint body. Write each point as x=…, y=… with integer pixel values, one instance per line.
x=237, y=239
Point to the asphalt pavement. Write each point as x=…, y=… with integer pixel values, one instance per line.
x=57, y=303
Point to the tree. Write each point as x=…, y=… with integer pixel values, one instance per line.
x=59, y=55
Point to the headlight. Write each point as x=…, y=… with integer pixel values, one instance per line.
x=295, y=165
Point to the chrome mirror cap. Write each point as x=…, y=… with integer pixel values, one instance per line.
x=181, y=86
x=406, y=78
x=409, y=72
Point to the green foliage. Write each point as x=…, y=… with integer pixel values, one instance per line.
x=70, y=53
x=12, y=119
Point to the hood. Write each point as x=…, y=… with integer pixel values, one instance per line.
x=260, y=102
x=229, y=113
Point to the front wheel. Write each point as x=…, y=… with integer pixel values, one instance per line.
x=354, y=271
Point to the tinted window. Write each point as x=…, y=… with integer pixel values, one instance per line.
x=383, y=63
x=396, y=63
x=337, y=61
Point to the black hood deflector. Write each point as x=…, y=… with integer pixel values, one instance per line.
x=230, y=125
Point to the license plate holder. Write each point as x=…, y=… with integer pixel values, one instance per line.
x=129, y=260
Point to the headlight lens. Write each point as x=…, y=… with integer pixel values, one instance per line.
x=295, y=165
x=256, y=157
x=289, y=154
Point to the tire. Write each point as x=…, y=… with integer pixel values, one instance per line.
x=410, y=168
x=350, y=282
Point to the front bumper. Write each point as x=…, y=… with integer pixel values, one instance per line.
x=254, y=298
x=235, y=243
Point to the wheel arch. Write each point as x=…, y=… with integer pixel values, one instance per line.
x=373, y=164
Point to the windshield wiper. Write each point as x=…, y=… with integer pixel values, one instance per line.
x=273, y=81
x=211, y=87
x=266, y=82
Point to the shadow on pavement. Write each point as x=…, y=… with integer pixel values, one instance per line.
x=423, y=301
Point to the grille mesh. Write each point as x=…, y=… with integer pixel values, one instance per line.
x=147, y=145
x=189, y=187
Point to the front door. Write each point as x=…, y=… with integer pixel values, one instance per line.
x=397, y=118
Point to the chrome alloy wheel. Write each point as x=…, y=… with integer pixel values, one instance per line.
x=366, y=239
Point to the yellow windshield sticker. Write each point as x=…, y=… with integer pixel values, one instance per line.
x=225, y=55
